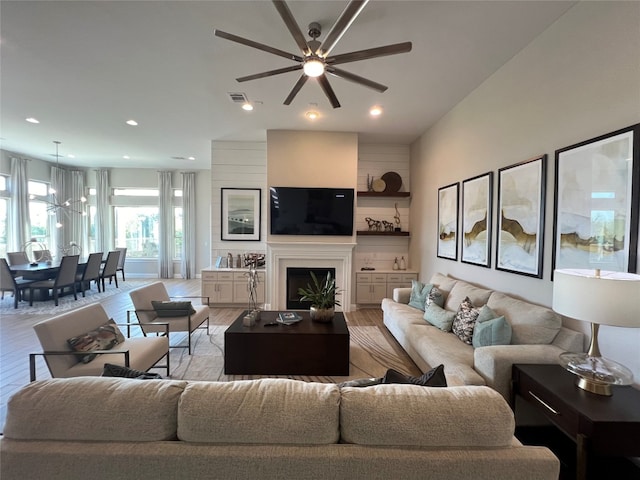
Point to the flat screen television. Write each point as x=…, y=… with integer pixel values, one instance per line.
x=311, y=211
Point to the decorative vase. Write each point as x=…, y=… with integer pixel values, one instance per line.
x=322, y=315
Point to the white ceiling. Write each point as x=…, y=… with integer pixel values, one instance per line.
x=85, y=67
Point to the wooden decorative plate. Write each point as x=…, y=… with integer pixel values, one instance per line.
x=378, y=185
x=393, y=181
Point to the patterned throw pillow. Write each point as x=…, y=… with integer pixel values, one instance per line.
x=104, y=337
x=433, y=378
x=435, y=296
x=465, y=321
x=419, y=292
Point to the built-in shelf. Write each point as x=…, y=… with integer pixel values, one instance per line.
x=382, y=234
x=384, y=194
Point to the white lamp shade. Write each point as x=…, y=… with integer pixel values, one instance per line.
x=612, y=298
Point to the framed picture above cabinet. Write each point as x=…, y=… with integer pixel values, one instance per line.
x=240, y=214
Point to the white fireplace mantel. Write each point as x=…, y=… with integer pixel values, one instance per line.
x=283, y=255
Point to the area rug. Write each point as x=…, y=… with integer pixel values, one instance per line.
x=66, y=302
x=370, y=356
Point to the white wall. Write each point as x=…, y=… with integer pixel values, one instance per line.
x=577, y=80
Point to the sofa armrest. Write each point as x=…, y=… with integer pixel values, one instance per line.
x=569, y=340
x=494, y=363
x=201, y=297
x=402, y=295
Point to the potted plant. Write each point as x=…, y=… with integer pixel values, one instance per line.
x=322, y=296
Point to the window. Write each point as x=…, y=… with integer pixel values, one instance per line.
x=4, y=211
x=39, y=214
x=137, y=229
x=177, y=232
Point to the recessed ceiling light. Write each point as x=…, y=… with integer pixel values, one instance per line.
x=375, y=111
x=191, y=158
x=71, y=155
x=247, y=106
x=133, y=123
x=32, y=120
x=126, y=157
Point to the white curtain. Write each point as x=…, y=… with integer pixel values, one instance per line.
x=104, y=242
x=188, y=264
x=19, y=227
x=77, y=230
x=165, y=250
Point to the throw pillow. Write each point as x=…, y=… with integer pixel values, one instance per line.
x=496, y=331
x=433, y=378
x=111, y=370
x=465, y=321
x=361, y=382
x=169, y=308
x=435, y=296
x=419, y=293
x=439, y=317
x=104, y=337
x=486, y=314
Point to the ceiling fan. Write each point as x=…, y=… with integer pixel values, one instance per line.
x=315, y=60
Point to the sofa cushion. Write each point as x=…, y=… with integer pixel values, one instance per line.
x=496, y=331
x=439, y=317
x=105, y=337
x=465, y=321
x=444, y=283
x=261, y=411
x=461, y=290
x=95, y=409
x=530, y=324
x=468, y=416
x=419, y=294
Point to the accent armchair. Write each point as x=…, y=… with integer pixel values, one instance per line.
x=184, y=321
x=140, y=353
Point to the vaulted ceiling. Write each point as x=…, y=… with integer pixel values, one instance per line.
x=83, y=68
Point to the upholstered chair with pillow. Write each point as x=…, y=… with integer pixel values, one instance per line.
x=80, y=342
x=153, y=304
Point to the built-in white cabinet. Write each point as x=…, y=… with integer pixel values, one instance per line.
x=230, y=286
x=372, y=287
x=241, y=288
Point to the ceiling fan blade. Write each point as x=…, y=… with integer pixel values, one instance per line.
x=346, y=18
x=328, y=91
x=296, y=88
x=292, y=25
x=270, y=73
x=259, y=46
x=370, y=53
x=352, y=77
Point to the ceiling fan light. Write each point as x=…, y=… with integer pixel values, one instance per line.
x=375, y=111
x=312, y=115
x=313, y=68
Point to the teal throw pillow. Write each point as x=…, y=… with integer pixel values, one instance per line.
x=419, y=293
x=486, y=314
x=439, y=317
x=172, y=309
x=496, y=331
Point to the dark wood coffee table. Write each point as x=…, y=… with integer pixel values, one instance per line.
x=304, y=348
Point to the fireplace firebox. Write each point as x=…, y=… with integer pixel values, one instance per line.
x=300, y=277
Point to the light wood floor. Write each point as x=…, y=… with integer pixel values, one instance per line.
x=18, y=340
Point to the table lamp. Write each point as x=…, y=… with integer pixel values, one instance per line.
x=602, y=298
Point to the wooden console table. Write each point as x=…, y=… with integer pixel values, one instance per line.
x=599, y=425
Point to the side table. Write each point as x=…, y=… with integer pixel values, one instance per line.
x=599, y=425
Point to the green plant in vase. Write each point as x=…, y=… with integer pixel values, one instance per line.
x=322, y=295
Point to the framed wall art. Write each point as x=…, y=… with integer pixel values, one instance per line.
x=240, y=216
x=597, y=185
x=520, y=239
x=448, y=222
x=477, y=199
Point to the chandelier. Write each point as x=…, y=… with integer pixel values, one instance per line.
x=67, y=207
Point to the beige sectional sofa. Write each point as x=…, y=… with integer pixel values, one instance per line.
x=113, y=428
x=537, y=335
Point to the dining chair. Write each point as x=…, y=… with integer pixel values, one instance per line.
x=66, y=277
x=17, y=258
x=109, y=269
x=123, y=254
x=91, y=272
x=8, y=283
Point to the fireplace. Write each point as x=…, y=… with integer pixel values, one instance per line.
x=300, y=277
x=307, y=255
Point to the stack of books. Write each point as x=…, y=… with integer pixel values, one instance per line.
x=288, y=318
